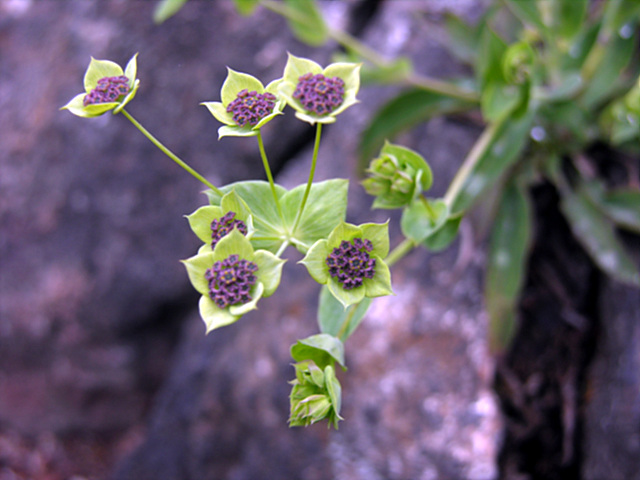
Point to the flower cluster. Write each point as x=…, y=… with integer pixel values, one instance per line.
x=397, y=177
x=251, y=107
x=222, y=226
x=230, y=281
x=350, y=263
x=319, y=94
x=108, y=89
x=315, y=395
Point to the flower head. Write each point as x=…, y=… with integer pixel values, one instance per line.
x=246, y=105
x=211, y=223
x=315, y=395
x=397, y=177
x=107, y=87
x=350, y=262
x=232, y=278
x=318, y=95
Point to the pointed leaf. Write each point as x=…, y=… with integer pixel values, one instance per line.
x=166, y=9
x=335, y=320
x=506, y=267
x=306, y=22
x=322, y=349
x=419, y=221
x=597, y=236
x=445, y=235
x=401, y=113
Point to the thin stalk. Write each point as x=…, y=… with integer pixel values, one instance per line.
x=282, y=248
x=351, y=43
x=474, y=156
x=267, y=169
x=347, y=321
x=312, y=172
x=169, y=153
x=400, y=251
x=430, y=211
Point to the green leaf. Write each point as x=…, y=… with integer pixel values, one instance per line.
x=402, y=112
x=506, y=267
x=567, y=16
x=246, y=7
x=605, y=79
x=499, y=100
x=269, y=231
x=335, y=320
x=502, y=150
x=464, y=39
x=596, y=234
x=621, y=205
x=306, y=22
x=445, y=235
x=420, y=220
x=166, y=9
x=489, y=60
x=326, y=208
x=527, y=12
x=323, y=349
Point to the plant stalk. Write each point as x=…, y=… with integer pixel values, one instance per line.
x=170, y=154
x=312, y=172
x=267, y=169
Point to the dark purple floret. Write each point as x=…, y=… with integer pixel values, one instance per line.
x=350, y=263
x=319, y=94
x=222, y=226
x=108, y=89
x=251, y=107
x=230, y=281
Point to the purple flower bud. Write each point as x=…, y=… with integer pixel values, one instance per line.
x=319, y=94
x=107, y=89
x=350, y=263
x=251, y=107
x=230, y=281
x=222, y=226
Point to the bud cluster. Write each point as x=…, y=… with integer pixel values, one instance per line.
x=319, y=94
x=351, y=263
x=222, y=226
x=230, y=281
x=251, y=107
x=108, y=89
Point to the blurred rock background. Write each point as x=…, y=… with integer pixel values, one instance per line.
x=105, y=371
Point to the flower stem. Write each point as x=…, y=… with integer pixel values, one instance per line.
x=472, y=159
x=347, y=321
x=400, y=251
x=312, y=172
x=353, y=44
x=282, y=248
x=267, y=169
x=169, y=153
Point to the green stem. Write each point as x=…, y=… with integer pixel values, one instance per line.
x=427, y=205
x=169, y=153
x=267, y=169
x=347, y=321
x=282, y=248
x=351, y=43
x=312, y=172
x=400, y=251
x=474, y=156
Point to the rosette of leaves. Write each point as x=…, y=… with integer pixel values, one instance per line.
x=107, y=87
x=246, y=105
x=254, y=274
x=397, y=177
x=318, y=95
x=350, y=262
x=212, y=222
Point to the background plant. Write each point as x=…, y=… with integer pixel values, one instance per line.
x=552, y=80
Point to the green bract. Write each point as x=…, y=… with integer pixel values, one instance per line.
x=201, y=220
x=266, y=283
x=316, y=394
x=379, y=285
x=296, y=67
x=234, y=84
x=397, y=177
x=99, y=69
